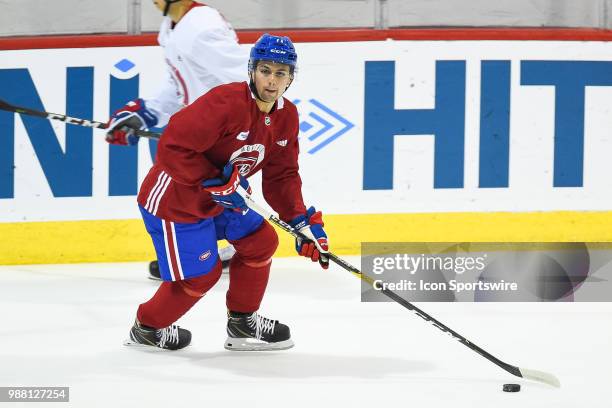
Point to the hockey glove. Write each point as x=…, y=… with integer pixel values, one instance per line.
x=311, y=225
x=224, y=189
x=133, y=116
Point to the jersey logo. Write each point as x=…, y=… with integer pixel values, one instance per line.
x=205, y=256
x=282, y=143
x=248, y=157
x=267, y=121
x=243, y=135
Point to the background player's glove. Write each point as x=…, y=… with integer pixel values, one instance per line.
x=133, y=116
x=223, y=189
x=311, y=225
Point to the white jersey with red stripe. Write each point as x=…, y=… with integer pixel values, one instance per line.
x=201, y=52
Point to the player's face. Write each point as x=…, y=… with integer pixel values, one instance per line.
x=271, y=80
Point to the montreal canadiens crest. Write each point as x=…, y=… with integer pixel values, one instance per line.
x=205, y=256
x=247, y=157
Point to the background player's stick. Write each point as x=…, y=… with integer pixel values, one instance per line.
x=517, y=371
x=74, y=121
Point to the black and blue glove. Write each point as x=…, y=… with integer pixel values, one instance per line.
x=224, y=189
x=311, y=225
x=133, y=116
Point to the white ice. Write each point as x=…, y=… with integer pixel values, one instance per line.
x=63, y=325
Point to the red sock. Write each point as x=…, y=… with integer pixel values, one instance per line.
x=173, y=299
x=247, y=286
x=250, y=269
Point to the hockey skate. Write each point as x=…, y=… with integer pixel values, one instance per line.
x=224, y=253
x=252, y=332
x=169, y=338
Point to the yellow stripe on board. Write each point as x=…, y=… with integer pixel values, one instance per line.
x=127, y=240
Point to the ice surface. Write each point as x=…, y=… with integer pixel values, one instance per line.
x=63, y=325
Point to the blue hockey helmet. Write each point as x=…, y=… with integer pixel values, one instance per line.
x=273, y=48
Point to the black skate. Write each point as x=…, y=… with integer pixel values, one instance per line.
x=252, y=332
x=169, y=338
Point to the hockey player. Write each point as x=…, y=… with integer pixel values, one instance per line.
x=201, y=51
x=191, y=197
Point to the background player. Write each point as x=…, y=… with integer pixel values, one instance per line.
x=190, y=199
x=201, y=51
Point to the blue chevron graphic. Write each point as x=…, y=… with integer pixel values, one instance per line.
x=319, y=125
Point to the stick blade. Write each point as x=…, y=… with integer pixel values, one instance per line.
x=540, y=376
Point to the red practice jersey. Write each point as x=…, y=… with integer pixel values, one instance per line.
x=224, y=125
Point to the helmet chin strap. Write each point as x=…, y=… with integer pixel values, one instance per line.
x=253, y=87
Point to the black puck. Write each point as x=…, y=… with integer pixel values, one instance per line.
x=511, y=387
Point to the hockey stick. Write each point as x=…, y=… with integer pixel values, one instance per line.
x=517, y=371
x=73, y=121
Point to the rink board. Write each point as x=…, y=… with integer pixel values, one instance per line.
x=400, y=140
x=82, y=241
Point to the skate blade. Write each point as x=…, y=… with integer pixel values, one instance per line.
x=247, y=344
x=132, y=343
